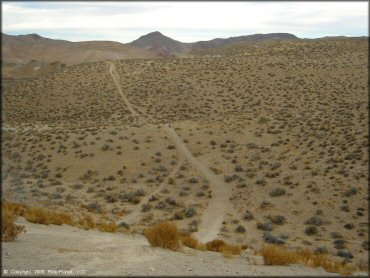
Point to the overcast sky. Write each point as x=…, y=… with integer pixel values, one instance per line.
x=183, y=21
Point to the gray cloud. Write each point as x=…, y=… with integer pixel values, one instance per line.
x=184, y=21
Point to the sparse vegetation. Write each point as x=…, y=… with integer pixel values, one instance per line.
x=277, y=255
x=40, y=215
x=285, y=140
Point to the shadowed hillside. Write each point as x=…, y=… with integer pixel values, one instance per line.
x=25, y=48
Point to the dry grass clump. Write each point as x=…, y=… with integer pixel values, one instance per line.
x=230, y=249
x=215, y=245
x=14, y=208
x=218, y=245
x=9, y=230
x=86, y=223
x=42, y=216
x=278, y=255
x=39, y=215
x=165, y=235
x=107, y=227
x=192, y=242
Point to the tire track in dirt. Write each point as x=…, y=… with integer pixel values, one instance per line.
x=219, y=204
x=113, y=73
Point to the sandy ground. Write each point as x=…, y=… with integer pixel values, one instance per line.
x=83, y=252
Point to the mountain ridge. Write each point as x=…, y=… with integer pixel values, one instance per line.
x=21, y=49
x=16, y=48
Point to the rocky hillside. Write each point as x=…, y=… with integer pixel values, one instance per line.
x=23, y=49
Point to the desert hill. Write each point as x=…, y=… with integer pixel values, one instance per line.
x=30, y=69
x=24, y=48
x=252, y=143
x=161, y=44
x=250, y=38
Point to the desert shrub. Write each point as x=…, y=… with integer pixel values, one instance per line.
x=277, y=219
x=240, y=229
x=277, y=192
x=163, y=235
x=190, y=212
x=95, y=207
x=193, y=180
x=213, y=143
x=311, y=230
x=200, y=194
x=350, y=192
x=266, y=226
x=314, y=220
x=345, y=254
x=9, y=230
x=248, y=215
x=146, y=207
x=273, y=239
x=365, y=245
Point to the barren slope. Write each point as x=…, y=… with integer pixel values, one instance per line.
x=25, y=48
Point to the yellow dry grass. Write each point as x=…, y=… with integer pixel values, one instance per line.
x=39, y=215
x=42, y=216
x=165, y=235
x=107, y=227
x=86, y=223
x=9, y=230
x=228, y=249
x=15, y=208
x=218, y=245
x=214, y=245
x=278, y=255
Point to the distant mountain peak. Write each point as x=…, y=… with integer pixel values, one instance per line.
x=160, y=44
x=155, y=33
x=33, y=36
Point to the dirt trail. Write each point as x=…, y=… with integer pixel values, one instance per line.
x=219, y=204
x=113, y=73
x=135, y=214
x=212, y=218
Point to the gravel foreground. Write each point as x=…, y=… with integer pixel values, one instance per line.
x=66, y=251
